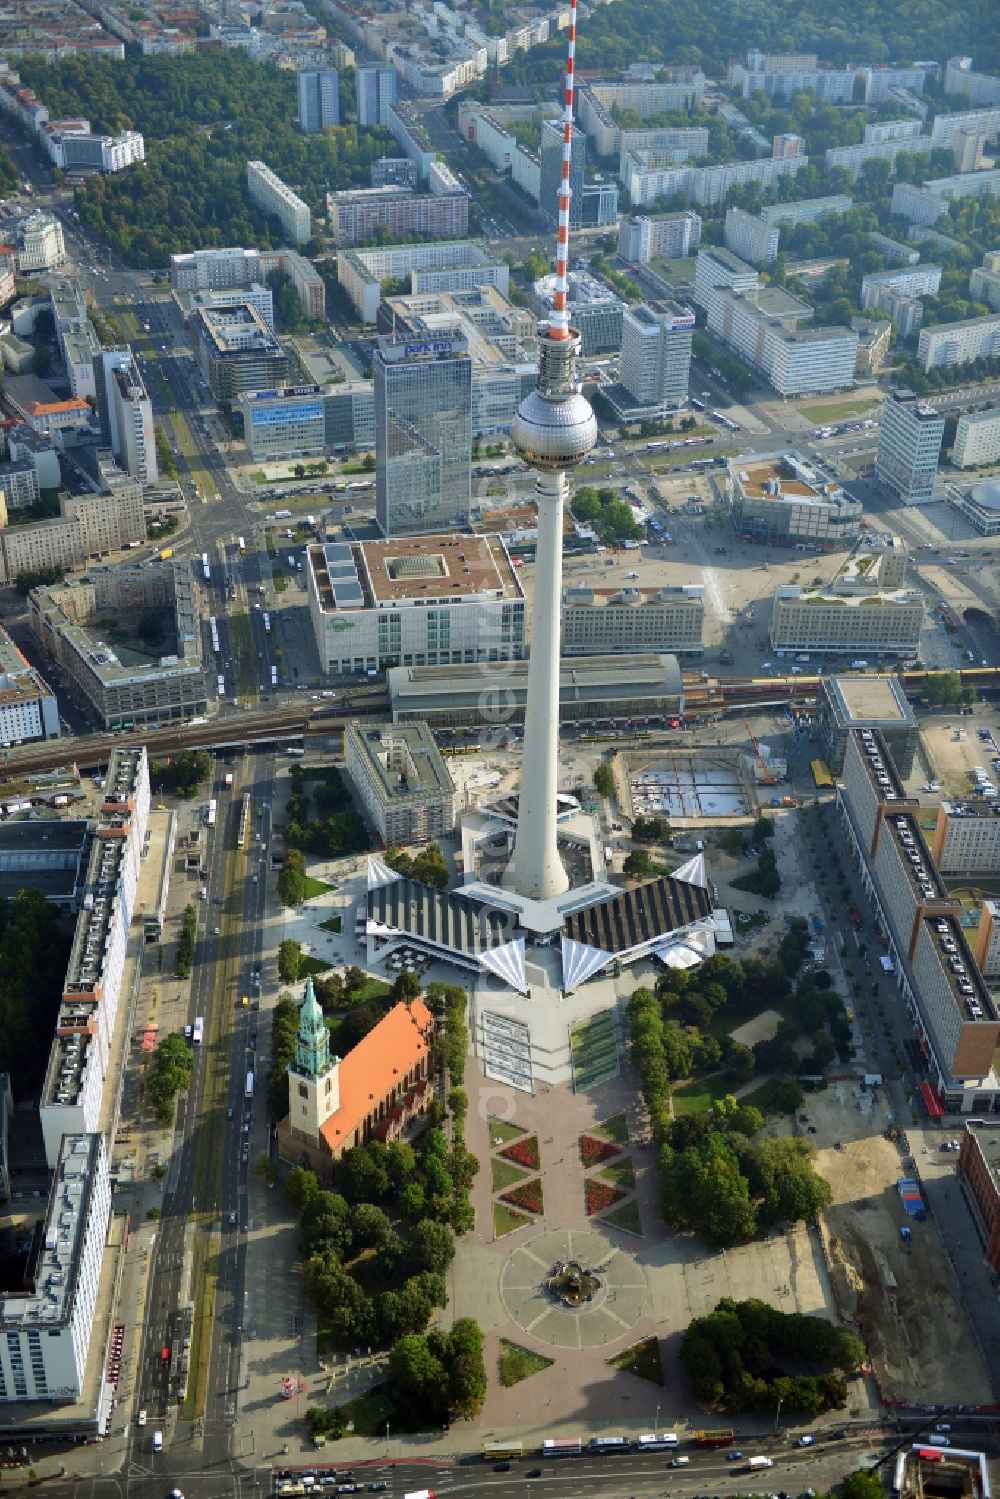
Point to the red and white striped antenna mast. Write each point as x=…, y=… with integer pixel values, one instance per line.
x=559, y=322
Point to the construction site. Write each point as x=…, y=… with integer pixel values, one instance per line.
x=709, y=785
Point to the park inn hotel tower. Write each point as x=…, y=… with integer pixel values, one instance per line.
x=423, y=435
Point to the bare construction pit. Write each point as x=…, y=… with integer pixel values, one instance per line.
x=685, y=788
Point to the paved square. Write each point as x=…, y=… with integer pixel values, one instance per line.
x=617, y=1305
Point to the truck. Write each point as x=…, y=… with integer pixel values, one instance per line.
x=420, y=1494
x=756, y=1463
x=859, y=665
x=228, y=779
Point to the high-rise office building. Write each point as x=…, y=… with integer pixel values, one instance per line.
x=550, y=171
x=105, y=364
x=909, y=445
x=319, y=99
x=656, y=355
x=423, y=435
x=374, y=92
x=126, y=413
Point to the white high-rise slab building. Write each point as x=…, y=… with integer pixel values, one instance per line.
x=909, y=446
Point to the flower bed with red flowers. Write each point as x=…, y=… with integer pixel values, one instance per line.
x=523, y=1153
x=594, y=1152
x=601, y=1195
x=526, y=1195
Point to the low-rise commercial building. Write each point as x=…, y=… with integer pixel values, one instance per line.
x=415, y=600
x=28, y=707
x=954, y=1018
x=401, y=781
x=828, y=621
x=120, y=694
x=959, y=343
x=626, y=621
x=777, y=499
x=981, y=505
x=306, y=421
x=446, y=266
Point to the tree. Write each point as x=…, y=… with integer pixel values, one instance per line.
x=862, y=1485
x=41, y=360
x=169, y=1071
x=467, y=1371
x=289, y=960
x=604, y=781
x=405, y=986
x=431, y=1247
x=638, y=865
x=183, y=773
x=292, y=881
x=417, y=1374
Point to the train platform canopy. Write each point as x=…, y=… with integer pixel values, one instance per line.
x=669, y=918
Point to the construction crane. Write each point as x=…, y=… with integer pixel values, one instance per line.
x=767, y=775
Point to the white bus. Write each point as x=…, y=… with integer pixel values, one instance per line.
x=198, y=1030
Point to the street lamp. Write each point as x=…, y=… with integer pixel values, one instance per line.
x=656, y=1422
x=777, y=1414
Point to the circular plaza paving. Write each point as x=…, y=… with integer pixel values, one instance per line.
x=619, y=1302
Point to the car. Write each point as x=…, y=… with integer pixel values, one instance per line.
x=943, y=1426
x=232, y=1220
x=176, y=1494
x=501, y=1467
x=806, y=1441
x=157, y=1441
x=165, y=1354
x=733, y=1457
x=141, y=1418
x=533, y=1473
x=230, y=1112
x=836, y=1436
x=679, y=1462
x=378, y=1487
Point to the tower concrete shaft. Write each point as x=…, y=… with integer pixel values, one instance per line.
x=535, y=869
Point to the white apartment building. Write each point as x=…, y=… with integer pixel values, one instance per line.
x=45, y=1331
x=909, y=447
x=406, y=792
x=879, y=81
x=984, y=280
x=966, y=837
x=917, y=204
x=41, y=244
x=853, y=158
x=893, y=130
x=135, y=451
x=985, y=122
x=656, y=355
x=75, y=150
x=977, y=440
x=626, y=621
x=910, y=280
x=361, y=272
x=881, y=623
x=752, y=239
x=414, y=601
x=794, y=360
x=959, y=343
x=214, y=270
x=598, y=101
x=980, y=88
x=806, y=210
x=272, y=196
x=718, y=269
x=647, y=177
x=966, y=184
x=671, y=236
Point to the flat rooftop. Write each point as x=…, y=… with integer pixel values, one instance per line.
x=772, y=480
x=597, y=598
x=973, y=1000
x=450, y=567
x=869, y=701
x=403, y=758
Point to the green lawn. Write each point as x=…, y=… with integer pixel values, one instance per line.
x=642, y=1359
x=595, y=1052
x=700, y=1093
x=279, y=580
x=373, y=989
x=311, y=966
x=504, y=1174
x=836, y=411
x=316, y=887
x=614, y=1129
x=331, y=924
x=506, y=1221
x=625, y=1217
x=620, y=1173
x=517, y=1363
x=502, y=1132
x=768, y=1098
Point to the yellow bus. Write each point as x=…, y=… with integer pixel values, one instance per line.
x=502, y=1451
x=821, y=772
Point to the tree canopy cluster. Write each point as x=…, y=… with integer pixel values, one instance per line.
x=607, y=512
x=169, y=1071
x=943, y=688
x=427, y=865
x=182, y=773
x=184, y=956
x=33, y=957
x=335, y=828
x=292, y=881
x=203, y=116
x=734, y=1357
x=670, y=32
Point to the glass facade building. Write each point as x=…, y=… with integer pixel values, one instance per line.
x=423, y=435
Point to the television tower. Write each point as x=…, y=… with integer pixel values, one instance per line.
x=554, y=429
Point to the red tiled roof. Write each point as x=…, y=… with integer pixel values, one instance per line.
x=376, y=1067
